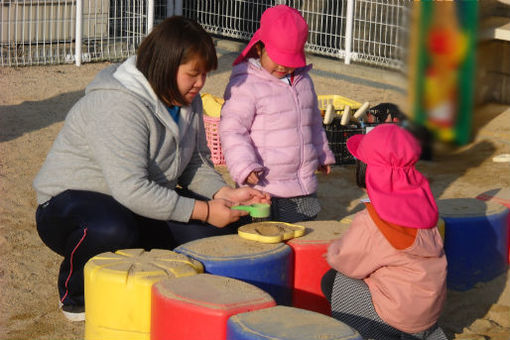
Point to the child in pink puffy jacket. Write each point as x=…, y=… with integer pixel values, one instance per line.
x=389, y=269
x=271, y=129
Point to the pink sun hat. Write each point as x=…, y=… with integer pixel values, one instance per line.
x=284, y=33
x=399, y=193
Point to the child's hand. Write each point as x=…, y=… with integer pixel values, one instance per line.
x=252, y=178
x=325, y=169
x=244, y=195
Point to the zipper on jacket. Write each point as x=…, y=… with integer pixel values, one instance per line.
x=302, y=151
x=161, y=117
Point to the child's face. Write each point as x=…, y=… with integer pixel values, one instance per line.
x=276, y=70
x=191, y=78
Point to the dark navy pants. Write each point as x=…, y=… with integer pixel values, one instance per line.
x=81, y=224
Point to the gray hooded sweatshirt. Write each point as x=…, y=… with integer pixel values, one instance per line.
x=120, y=140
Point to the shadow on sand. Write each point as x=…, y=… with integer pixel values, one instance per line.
x=17, y=120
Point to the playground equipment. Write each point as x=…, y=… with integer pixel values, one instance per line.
x=118, y=290
x=198, y=307
x=476, y=240
x=310, y=264
x=287, y=323
x=265, y=265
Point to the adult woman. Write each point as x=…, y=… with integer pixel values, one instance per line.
x=131, y=160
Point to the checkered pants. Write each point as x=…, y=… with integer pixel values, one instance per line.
x=351, y=303
x=295, y=209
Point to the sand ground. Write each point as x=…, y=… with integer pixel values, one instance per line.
x=33, y=105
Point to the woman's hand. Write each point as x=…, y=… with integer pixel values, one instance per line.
x=244, y=195
x=221, y=215
x=216, y=212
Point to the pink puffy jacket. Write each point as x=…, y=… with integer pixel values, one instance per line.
x=275, y=128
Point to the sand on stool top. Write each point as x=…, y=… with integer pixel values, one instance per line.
x=213, y=291
x=138, y=262
x=323, y=231
x=468, y=207
x=220, y=247
x=282, y=322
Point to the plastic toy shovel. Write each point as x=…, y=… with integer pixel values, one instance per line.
x=256, y=210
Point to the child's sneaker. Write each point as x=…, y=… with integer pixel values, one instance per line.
x=73, y=312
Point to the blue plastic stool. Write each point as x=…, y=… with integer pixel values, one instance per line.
x=267, y=266
x=476, y=240
x=287, y=323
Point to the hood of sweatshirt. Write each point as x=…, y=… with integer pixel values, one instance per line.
x=128, y=79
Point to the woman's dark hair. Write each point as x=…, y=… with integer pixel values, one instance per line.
x=361, y=170
x=173, y=42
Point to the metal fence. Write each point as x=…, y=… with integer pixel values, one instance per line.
x=36, y=32
x=366, y=31
x=46, y=31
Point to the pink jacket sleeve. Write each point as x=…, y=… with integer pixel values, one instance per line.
x=237, y=115
x=348, y=255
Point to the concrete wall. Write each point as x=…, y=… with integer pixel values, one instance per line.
x=493, y=58
x=493, y=72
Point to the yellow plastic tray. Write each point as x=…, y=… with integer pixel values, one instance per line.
x=339, y=102
x=270, y=232
x=212, y=104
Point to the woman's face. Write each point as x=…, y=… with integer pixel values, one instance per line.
x=191, y=78
x=276, y=70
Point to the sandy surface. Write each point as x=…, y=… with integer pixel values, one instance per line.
x=33, y=104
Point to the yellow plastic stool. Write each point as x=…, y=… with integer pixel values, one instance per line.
x=118, y=290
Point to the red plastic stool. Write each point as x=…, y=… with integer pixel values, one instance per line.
x=198, y=307
x=310, y=264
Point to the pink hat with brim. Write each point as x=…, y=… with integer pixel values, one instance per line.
x=399, y=193
x=284, y=33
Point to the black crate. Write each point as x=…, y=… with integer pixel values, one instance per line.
x=337, y=135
